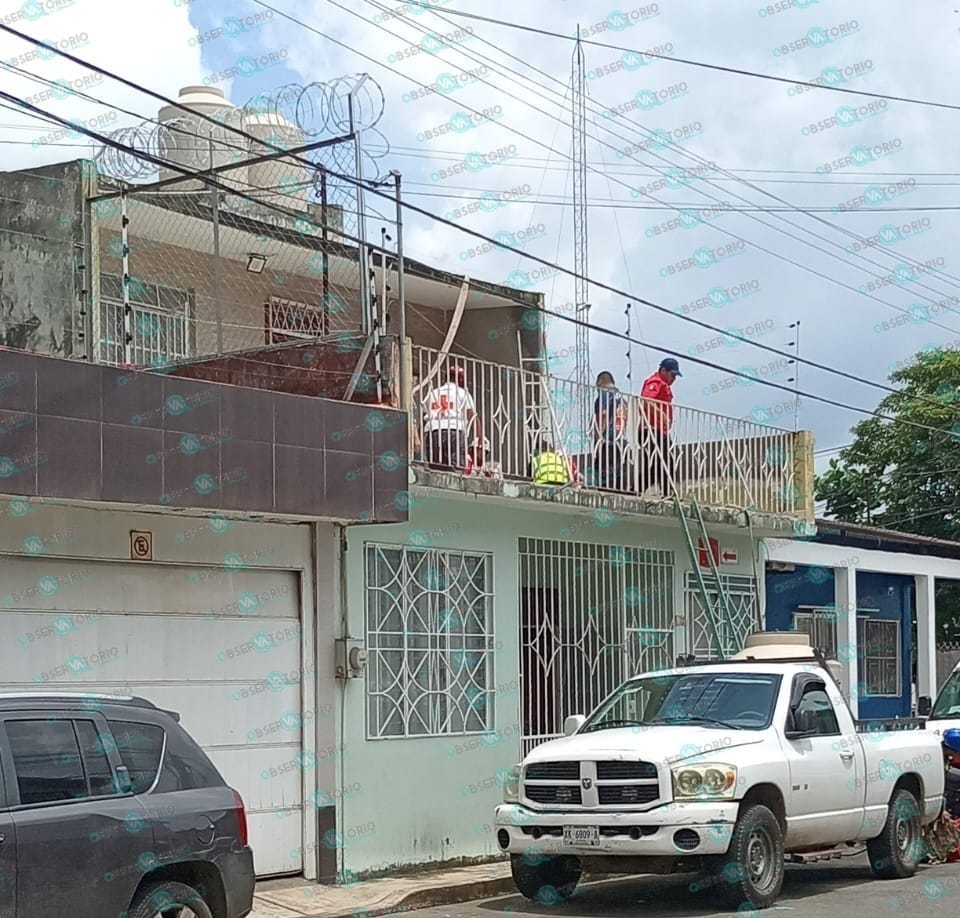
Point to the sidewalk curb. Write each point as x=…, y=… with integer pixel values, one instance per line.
x=433, y=896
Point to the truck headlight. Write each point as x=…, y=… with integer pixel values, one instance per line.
x=511, y=786
x=704, y=782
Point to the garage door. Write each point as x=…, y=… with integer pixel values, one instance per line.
x=221, y=647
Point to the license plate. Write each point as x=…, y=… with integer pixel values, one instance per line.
x=582, y=836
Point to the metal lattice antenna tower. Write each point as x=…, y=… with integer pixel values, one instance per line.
x=580, y=237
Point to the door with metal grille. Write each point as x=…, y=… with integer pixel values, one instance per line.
x=743, y=619
x=590, y=616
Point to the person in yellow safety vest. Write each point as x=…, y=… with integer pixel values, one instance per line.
x=549, y=467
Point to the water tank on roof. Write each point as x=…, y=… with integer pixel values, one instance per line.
x=282, y=181
x=773, y=645
x=195, y=143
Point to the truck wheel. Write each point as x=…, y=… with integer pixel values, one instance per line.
x=548, y=879
x=895, y=852
x=752, y=869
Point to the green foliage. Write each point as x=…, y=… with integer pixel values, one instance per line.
x=900, y=476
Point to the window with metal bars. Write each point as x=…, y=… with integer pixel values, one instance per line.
x=429, y=623
x=741, y=594
x=820, y=625
x=160, y=322
x=879, y=656
x=288, y=320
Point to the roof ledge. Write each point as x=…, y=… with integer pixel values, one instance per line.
x=607, y=508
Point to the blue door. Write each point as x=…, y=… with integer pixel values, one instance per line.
x=803, y=600
x=884, y=644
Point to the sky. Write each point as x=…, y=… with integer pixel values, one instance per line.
x=477, y=116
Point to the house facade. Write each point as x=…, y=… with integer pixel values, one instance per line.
x=174, y=527
x=177, y=539
x=500, y=607
x=489, y=608
x=211, y=275
x=868, y=597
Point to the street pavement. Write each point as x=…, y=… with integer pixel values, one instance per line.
x=829, y=890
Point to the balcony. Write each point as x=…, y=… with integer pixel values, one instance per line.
x=727, y=465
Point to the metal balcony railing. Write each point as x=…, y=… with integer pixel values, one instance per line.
x=612, y=441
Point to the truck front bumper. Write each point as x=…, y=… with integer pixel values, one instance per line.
x=674, y=829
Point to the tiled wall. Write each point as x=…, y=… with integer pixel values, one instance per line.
x=87, y=432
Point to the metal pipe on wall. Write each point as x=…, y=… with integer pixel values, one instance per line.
x=217, y=268
x=405, y=381
x=125, y=260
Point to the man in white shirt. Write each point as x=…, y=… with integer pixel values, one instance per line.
x=449, y=415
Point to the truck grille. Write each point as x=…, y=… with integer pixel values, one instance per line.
x=627, y=794
x=591, y=784
x=625, y=771
x=558, y=795
x=553, y=771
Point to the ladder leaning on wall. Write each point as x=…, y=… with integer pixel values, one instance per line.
x=722, y=608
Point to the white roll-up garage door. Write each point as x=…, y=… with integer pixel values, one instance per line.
x=221, y=647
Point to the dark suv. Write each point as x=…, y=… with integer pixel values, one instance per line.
x=108, y=809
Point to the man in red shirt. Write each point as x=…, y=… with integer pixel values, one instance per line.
x=657, y=408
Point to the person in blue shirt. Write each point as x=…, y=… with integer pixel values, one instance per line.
x=609, y=434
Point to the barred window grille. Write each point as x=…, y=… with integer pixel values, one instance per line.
x=288, y=320
x=741, y=592
x=880, y=659
x=160, y=322
x=820, y=625
x=429, y=621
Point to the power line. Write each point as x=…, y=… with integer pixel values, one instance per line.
x=437, y=218
x=690, y=63
x=322, y=34
x=695, y=157
x=540, y=309
x=626, y=205
x=760, y=248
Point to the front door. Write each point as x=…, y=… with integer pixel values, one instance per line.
x=78, y=839
x=826, y=773
x=542, y=716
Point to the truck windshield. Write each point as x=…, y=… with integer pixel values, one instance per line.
x=738, y=701
x=948, y=701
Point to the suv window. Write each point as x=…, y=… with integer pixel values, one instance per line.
x=815, y=711
x=96, y=764
x=185, y=765
x=139, y=747
x=48, y=763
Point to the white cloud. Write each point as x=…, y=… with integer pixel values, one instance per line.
x=747, y=124
x=147, y=44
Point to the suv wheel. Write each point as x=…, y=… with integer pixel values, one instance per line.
x=168, y=898
x=546, y=879
x=752, y=870
x=895, y=852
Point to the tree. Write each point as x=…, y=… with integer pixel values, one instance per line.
x=906, y=476
x=901, y=475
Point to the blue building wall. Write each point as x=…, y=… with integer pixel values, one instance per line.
x=888, y=596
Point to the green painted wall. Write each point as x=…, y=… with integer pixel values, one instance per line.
x=412, y=801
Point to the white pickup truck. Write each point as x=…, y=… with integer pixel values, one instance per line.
x=730, y=768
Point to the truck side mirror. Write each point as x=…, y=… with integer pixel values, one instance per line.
x=799, y=725
x=924, y=706
x=573, y=723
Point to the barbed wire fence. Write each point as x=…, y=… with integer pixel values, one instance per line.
x=263, y=250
